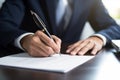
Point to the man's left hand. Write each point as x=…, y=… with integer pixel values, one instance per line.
x=81, y=47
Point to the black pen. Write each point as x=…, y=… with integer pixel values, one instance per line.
x=39, y=23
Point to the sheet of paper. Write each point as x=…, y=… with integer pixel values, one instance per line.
x=57, y=63
x=116, y=44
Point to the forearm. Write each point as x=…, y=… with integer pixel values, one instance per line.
x=113, y=32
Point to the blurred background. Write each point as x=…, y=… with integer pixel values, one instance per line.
x=1, y=1
x=113, y=7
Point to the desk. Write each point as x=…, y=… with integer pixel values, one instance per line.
x=105, y=66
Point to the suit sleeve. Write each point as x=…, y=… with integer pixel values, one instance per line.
x=103, y=23
x=11, y=15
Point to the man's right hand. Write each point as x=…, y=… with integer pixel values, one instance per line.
x=40, y=45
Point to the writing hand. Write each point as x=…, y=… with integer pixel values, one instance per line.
x=40, y=44
x=93, y=43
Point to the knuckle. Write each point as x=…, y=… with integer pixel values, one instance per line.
x=50, y=42
x=86, y=48
x=60, y=40
x=34, y=39
x=49, y=49
x=98, y=47
x=38, y=32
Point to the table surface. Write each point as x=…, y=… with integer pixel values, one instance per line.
x=105, y=66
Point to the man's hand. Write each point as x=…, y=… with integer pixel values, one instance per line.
x=93, y=43
x=41, y=45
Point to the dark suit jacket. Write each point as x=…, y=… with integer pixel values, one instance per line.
x=15, y=19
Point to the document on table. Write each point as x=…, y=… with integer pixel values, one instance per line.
x=56, y=63
x=116, y=44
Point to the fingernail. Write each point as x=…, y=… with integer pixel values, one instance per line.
x=80, y=53
x=93, y=53
x=68, y=51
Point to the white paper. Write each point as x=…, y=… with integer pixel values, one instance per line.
x=116, y=44
x=57, y=63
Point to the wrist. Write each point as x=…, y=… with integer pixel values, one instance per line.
x=18, y=40
x=99, y=39
x=24, y=41
x=103, y=38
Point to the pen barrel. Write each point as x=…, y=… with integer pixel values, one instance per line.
x=47, y=33
x=39, y=23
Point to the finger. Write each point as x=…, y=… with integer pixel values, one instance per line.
x=78, y=47
x=94, y=51
x=96, y=48
x=40, y=47
x=37, y=52
x=73, y=46
x=86, y=48
x=57, y=41
x=42, y=36
x=48, y=41
x=75, y=50
x=45, y=49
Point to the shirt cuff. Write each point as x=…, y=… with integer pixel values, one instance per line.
x=17, y=40
x=102, y=37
